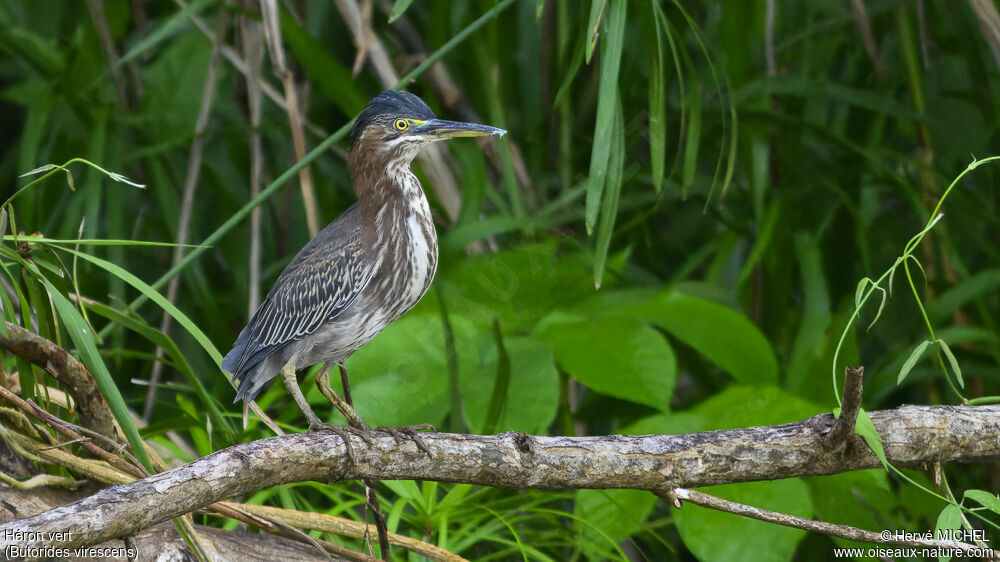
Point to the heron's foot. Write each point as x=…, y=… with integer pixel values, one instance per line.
x=345, y=408
x=409, y=432
x=344, y=432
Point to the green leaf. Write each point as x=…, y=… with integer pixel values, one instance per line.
x=985, y=499
x=915, y=356
x=618, y=514
x=859, y=298
x=401, y=377
x=881, y=307
x=719, y=536
x=575, y=62
x=762, y=243
x=532, y=397
x=501, y=384
x=519, y=285
x=860, y=291
x=724, y=336
x=398, y=8
x=866, y=429
x=618, y=357
x=952, y=361
x=977, y=286
x=849, y=499
x=892, y=272
x=40, y=52
x=758, y=405
x=98, y=242
x=607, y=102
x=949, y=519
x=83, y=339
x=26, y=374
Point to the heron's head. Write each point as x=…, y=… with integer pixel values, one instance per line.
x=398, y=125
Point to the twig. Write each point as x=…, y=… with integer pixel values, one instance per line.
x=343, y=527
x=253, y=51
x=833, y=530
x=989, y=25
x=865, y=30
x=844, y=426
x=64, y=428
x=96, y=9
x=272, y=32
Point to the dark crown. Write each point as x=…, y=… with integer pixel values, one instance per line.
x=389, y=105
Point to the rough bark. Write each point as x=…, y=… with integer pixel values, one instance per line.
x=160, y=542
x=94, y=411
x=912, y=436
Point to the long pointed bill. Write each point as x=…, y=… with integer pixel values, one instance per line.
x=439, y=129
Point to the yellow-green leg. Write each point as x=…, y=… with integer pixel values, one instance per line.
x=354, y=420
x=292, y=386
x=323, y=383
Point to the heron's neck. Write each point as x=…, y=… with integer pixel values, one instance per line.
x=396, y=222
x=389, y=195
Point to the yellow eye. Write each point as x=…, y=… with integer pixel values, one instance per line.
x=401, y=124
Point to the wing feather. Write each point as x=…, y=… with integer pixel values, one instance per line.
x=321, y=281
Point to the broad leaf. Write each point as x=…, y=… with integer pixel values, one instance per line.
x=614, y=356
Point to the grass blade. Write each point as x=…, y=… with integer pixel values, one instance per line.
x=657, y=106
x=596, y=10
x=180, y=362
x=156, y=297
x=398, y=9
x=611, y=53
x=612, y=192
x=498, y=398
x=83, y=339
x=691, y=139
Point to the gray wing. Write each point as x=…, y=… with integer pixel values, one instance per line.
x=321, y=281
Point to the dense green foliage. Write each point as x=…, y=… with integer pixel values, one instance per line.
x=727, y=211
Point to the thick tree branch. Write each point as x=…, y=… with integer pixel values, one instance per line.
x=161, y=541
x=912, y=436
x=94, y=411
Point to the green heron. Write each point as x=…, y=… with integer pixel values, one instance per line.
x=360, y=273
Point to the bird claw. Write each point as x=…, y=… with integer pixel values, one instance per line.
x=409, y=432
x=345, y=432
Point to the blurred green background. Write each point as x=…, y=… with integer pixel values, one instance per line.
x=727, y=172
